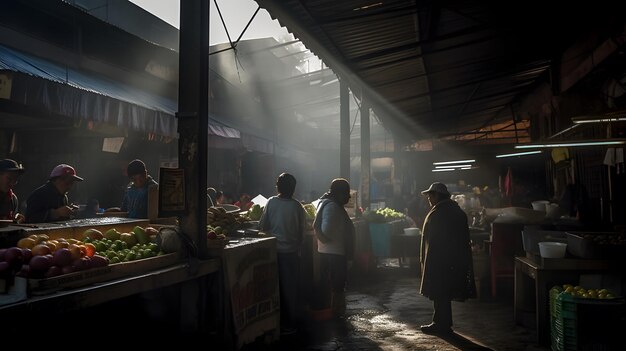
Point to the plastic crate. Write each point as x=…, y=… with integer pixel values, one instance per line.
x=380, y=234
x=585, y=324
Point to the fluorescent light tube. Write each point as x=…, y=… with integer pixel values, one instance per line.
x=444, y=170
x=453, y=166
x=453, y=162
x=568, y=144
x=519, y=154
x=600, y=120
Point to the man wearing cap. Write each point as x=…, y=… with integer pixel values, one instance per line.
x=136, y=198
x=9, y=205
x=446, y=258
x=49, y=202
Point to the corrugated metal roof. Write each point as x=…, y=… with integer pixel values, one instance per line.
x=432, y=67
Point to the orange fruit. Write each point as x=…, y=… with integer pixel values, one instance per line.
x=90, y=249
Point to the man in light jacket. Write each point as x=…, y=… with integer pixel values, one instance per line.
x=335, y=232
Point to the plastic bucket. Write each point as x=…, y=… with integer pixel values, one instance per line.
x=550, y=249
x=540, y=205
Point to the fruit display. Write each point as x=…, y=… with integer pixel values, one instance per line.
x=37, y=256
x=383, y=215
x=223, y=222
x=255, y=212
x=580, y=292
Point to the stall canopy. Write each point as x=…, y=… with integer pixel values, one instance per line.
x=65, y=91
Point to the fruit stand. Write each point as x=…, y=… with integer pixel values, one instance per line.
x=535, y=276
x=72, y=265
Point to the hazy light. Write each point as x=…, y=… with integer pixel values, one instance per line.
x=519, y=154
x=466, y=168
x=452, y=162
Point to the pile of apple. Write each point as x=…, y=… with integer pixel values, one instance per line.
x=578, y=291
x=37, y=256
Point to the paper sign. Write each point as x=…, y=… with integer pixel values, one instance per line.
x=112, y=144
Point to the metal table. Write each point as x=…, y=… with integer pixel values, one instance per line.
x=535, y=276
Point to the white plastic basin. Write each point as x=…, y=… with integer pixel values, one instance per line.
x=411, y=231
x=550, y=249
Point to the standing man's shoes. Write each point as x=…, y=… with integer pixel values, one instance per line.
x=433, y=328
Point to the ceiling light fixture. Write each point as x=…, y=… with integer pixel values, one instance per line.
x=571, y=144
x=581, y=120
x=453, y=166
x=519, y=154
x=443, y=170
x=452, y=162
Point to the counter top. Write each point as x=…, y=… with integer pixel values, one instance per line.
x=92, y=295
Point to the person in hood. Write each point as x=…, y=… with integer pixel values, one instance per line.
x=9, y=204
x=446, y=258
x=335, y=243
x=136, y=198
x=49, y=202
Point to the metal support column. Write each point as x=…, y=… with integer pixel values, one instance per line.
x=344, y=123
x=193, y=125
x=365, y=153
x=193, y=116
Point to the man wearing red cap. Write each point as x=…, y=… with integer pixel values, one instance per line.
x=49, y=202
x=9, y=205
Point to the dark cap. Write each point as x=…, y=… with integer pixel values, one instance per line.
x=8, y=165
x=135, y=167
x=437, y=187
x=64, y=170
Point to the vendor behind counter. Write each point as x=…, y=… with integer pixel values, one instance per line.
x=50, y=202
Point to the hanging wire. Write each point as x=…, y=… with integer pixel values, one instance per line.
x=224, y=24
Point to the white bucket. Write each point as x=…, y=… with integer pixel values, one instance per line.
x=540, y=205
x=411, y=231
x=551, y=249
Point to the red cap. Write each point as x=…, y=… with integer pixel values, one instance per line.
x=65, y=170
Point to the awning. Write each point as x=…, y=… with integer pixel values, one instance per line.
x=76, y=93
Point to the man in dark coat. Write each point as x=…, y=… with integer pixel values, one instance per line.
x=446, y=257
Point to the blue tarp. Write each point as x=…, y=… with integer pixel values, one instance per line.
x=76, y=93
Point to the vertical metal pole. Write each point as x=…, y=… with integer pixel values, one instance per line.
x=193, y=116
x=193, y=123
x=344, y=126
x=365, y=153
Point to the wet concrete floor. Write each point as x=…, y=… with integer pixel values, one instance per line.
x=384, y=312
